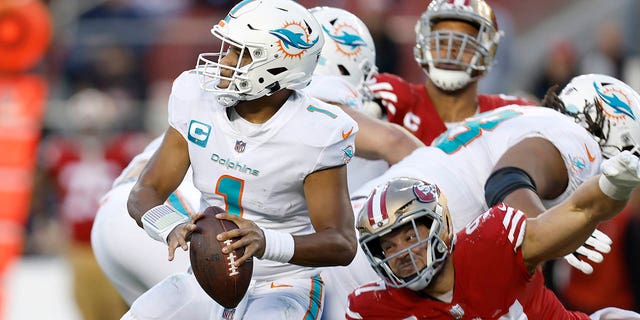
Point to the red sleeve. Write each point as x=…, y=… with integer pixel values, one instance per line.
x=375, y=301
x=492, y=243
x=404, y=96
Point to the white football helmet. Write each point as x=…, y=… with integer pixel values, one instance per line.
x=348, y=50
x=437, y=48
x=283, y=39
x=400, y=202
x=608, y=108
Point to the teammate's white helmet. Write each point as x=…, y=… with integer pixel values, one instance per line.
x=348, y=50
x=400, y=202
x=443, y=43
x=608, y=108
x=283, y=39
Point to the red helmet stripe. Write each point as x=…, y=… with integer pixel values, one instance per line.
x=372, y=220
x=383, y=203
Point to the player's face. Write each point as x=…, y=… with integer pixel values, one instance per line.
x=452, y=47
x=401, y=239
x=231, y=59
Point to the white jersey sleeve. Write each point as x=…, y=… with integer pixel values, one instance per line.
x=334, y=90
x=184, y=92
x=479, y=142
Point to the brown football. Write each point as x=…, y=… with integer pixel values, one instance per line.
x=214, y=271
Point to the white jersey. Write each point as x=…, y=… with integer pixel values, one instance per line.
x=260, y=175
x=462, y=158
x=337, y=90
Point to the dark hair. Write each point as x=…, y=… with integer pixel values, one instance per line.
x=594, y=126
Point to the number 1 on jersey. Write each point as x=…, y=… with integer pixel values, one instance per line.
x=231, y=188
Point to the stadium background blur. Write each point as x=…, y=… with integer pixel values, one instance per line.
x=109, y=69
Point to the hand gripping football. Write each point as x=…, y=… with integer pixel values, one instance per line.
x=214, y=270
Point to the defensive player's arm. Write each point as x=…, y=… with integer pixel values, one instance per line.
x=382, y=140
x=563, y=228
x=542, y=161
x=334, y=242
x=161, y=176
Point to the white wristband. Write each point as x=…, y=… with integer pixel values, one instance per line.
x=279, y=246
x=160, y=220
x=613, y=191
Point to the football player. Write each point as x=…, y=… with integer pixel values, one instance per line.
x=544, y=151
x=456, y=42
x=270, y=155
x=487, y=270
x=338, y=80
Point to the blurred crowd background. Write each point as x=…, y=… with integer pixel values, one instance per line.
x=109, y=68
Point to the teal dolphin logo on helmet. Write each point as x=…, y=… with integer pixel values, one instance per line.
x=614, y=102
x=293, y=39
x=346, y=38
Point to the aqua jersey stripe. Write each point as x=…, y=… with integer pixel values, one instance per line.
x=315, y=299
x=175, y=202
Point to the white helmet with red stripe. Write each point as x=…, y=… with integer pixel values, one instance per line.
x=398, y=203
x=438, y=50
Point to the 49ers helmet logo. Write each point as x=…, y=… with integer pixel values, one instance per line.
x=425, y=192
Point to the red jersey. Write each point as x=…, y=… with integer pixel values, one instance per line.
x=491, y=280
x=415, y=111
x=83, y=174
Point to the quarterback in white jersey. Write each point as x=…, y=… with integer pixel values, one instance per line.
x=125, y=259
x=272, y=156
x=242, y=168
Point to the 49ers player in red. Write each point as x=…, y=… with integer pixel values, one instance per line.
x=489, y=270
x=456, y=41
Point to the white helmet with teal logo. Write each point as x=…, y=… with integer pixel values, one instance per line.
x=608, y=108
x=349, y=50
x=283, y=39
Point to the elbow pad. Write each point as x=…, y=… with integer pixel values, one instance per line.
x=504, y=181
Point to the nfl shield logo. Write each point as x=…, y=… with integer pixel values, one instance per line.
x=457, y=312
x=240, y=146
